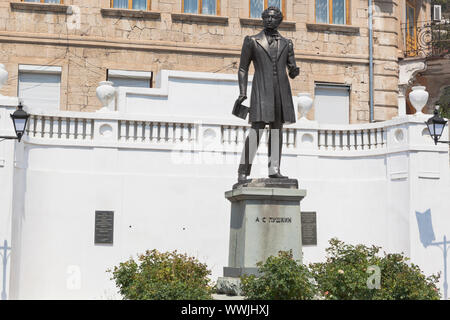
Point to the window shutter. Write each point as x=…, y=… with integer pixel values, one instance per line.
x=123, y=78
x=40, y=87
x=331, y=104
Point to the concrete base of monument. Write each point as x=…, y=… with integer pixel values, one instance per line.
x=229, y=286
x=265, y=219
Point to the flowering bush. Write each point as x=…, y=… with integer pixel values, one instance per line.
x=282, y=278
x=162, y=276
x=357, y=272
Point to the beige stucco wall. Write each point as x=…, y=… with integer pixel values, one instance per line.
x=98, y=42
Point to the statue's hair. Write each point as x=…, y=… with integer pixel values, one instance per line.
x=277, y=10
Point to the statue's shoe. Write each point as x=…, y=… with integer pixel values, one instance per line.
x=277, y=176
x=242, y=177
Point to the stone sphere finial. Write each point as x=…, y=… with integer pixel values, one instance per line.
x=106, y=94
x=304, y=103
x=418, y=97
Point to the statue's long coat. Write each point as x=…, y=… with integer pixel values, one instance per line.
x=256, y=49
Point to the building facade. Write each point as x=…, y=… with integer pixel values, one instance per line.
x=160, y=172
x=71, y=45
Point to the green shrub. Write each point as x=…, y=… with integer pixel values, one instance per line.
x=162, y=276
x=282, y=278
x=346, y=272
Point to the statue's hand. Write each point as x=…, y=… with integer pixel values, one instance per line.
x=294, y=72
x=241, y=99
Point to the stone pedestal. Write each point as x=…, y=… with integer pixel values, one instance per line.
x=265, y=218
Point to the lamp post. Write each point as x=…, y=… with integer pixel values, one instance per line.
x=436, y=126
x=19, y=119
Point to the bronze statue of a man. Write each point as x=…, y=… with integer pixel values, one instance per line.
x=271, y=98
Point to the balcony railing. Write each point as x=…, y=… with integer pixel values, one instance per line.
x=427, y=39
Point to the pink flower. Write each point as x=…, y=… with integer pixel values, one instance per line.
x=326, y=293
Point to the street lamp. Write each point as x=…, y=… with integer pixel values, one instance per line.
x=19, y=119
x=436, y=126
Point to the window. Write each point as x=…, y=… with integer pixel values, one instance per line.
x=124, y=78
x=44, y=1
x=202, y=6
x=40, y=86
x=333, y=11
x=331, y=103
x=411, y=39
x=131, y=4
x=258, y=6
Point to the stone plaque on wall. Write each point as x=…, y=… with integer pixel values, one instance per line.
x=309, y=228
x=104, y=227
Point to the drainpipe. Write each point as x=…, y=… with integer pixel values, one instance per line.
x=370, y=61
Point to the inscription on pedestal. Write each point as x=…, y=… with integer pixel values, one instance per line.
x=309, y=228
x=274, y=219
x=104, y=227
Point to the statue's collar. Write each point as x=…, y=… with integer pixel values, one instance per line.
x=271, y=33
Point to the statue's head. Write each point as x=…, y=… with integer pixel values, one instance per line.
x=272, y=18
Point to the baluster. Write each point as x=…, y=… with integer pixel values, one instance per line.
x=57, y=128
x=71, y=125
x=30, y=125
x=88, y=129
x=329, y=139
x=333, y=136
x=341, y=140
x=185, y=133
x=240, y=136
x=163, y=131
x=153, y=131
x=290, y=138
x=47, y=127
x=364, y=140
x=353, y=140
x=178, y=132
x=193, y=132
x=146, y=131
x=233, y=135
x=80, y=128
x=64, y=129
x=167, y=132
x=372, y=138
x=139, y=131
x=358, y=134
x=347, y=139
x=53, y=127
x=123, y=130
x=226, y=135
x=39, y=124
x=320, y=139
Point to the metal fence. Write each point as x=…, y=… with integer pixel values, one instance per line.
x=427, y=39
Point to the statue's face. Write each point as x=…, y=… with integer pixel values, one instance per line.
x=271, y=21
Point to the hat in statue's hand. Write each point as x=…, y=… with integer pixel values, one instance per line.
x=239, y=110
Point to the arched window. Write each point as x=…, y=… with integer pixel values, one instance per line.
x=333, y=11
x=258, y=6
x=202, y=6
x=131, y=4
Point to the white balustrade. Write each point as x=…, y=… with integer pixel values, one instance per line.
x=70, y=127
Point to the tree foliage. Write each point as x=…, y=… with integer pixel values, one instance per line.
x=162, y=276
x=444, y=103
x=349, y=274
x=282, y=278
